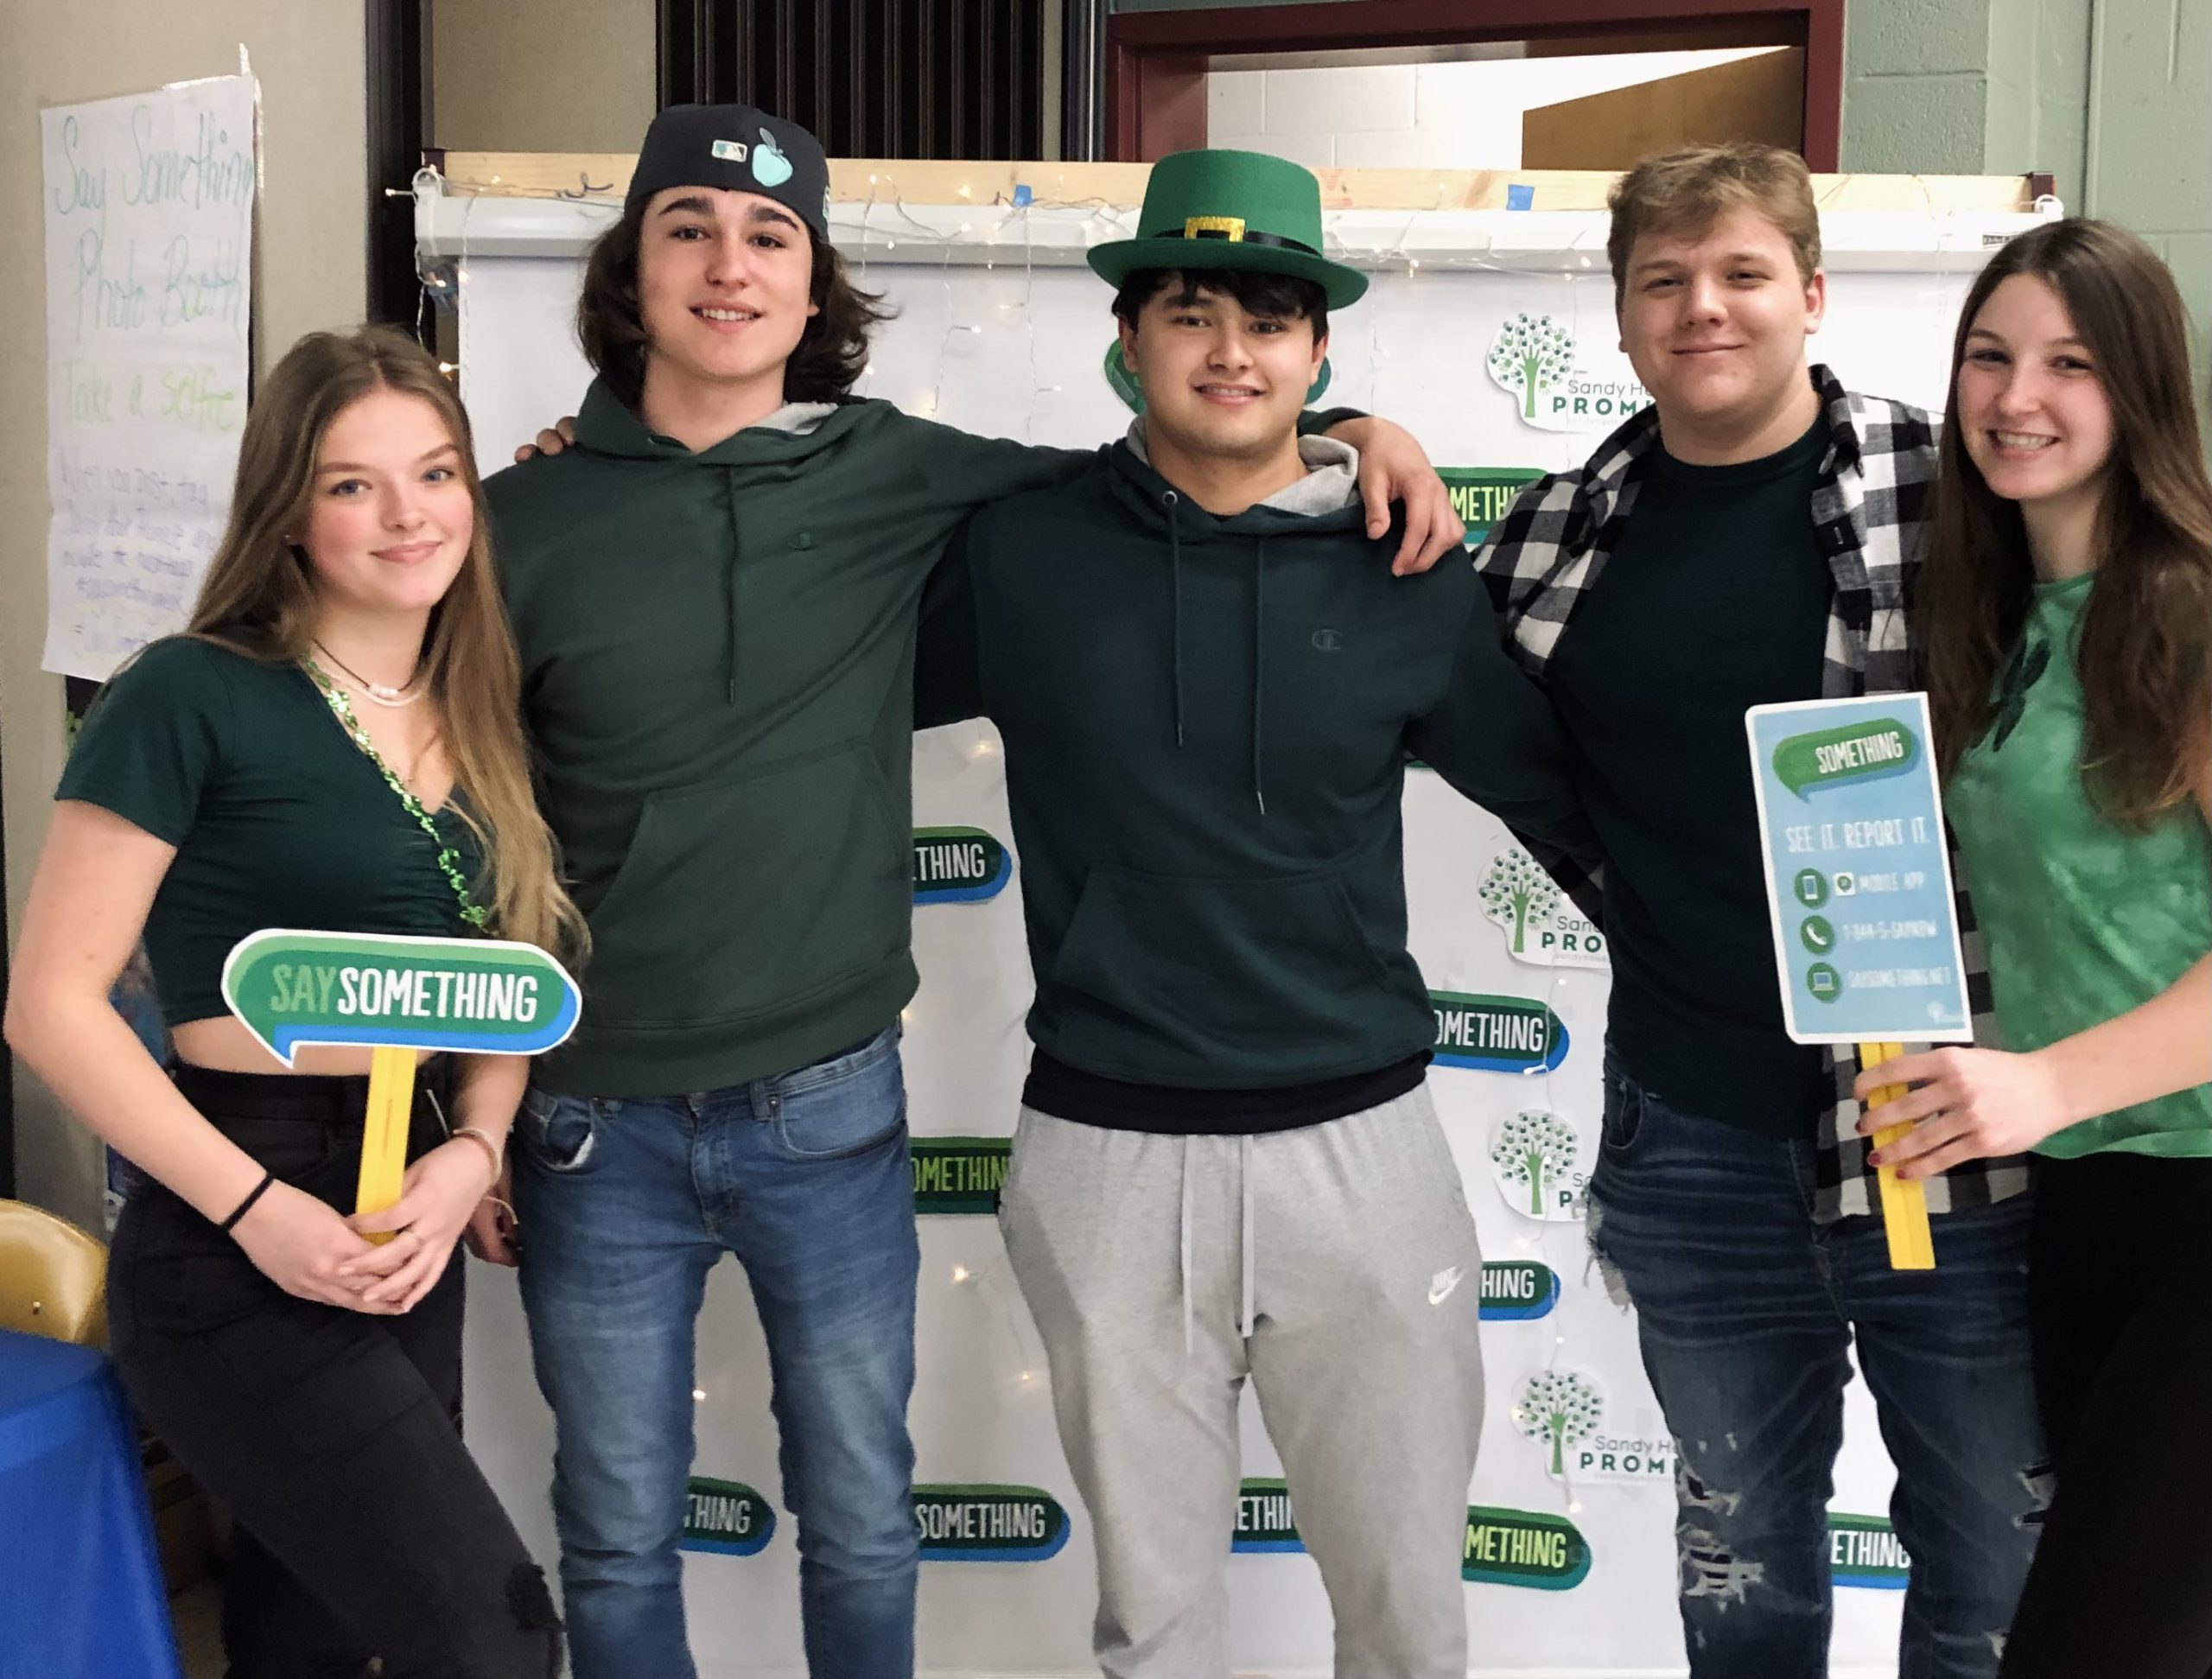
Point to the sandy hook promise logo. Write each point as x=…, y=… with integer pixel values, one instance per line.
x=1533, y=359
x=1537, y=1158
x=1564, y=1410
x=1541, y=926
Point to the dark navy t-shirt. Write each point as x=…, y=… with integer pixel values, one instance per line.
x=1715, y=601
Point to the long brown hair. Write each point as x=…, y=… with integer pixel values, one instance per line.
x=258, y=599
x=827, y=361
x=2145, y=656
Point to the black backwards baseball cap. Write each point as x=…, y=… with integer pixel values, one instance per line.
x=735, y=147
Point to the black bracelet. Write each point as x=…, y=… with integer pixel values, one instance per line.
x=246, y=1205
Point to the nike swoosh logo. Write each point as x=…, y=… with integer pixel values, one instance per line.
x=1441, y=1285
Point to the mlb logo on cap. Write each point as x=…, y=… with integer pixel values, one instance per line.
x=730, y=151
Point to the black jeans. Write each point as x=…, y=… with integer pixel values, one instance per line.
x=364, y=1527
x=2119, y=1295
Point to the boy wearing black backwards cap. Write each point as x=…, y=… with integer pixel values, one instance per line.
x=714, y=592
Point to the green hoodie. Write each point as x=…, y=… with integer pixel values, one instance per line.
x=1206, y=721
x=717, y=655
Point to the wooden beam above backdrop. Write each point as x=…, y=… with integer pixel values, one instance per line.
x=602, y=177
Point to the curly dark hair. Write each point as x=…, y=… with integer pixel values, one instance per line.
x=831, y=354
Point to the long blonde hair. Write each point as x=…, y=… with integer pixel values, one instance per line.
x=258, y=599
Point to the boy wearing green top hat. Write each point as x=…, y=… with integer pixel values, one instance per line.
x=1227, y=1165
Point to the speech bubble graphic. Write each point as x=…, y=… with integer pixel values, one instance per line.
x=727, y=1519
x=989, y=1524
x=1869, y=751
x=959, y=866
x=1530, y=1548
x=478, y=996
x=1497, y=1034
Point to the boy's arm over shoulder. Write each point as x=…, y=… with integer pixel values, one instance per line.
x=948, y=675
x=970, y=472
x=1494, y=736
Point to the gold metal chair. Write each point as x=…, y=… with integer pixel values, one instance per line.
x=51, y=1277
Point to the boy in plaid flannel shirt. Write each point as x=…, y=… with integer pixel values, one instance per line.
x=1776, y=517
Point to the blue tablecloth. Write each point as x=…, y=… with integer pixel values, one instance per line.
x=80, y=1585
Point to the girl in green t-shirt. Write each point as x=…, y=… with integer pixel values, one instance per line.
x=335, y=744
x=2067, y=598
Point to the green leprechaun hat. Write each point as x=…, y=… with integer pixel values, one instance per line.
x=1230, y=209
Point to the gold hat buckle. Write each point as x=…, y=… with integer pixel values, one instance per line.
x=1227, y=227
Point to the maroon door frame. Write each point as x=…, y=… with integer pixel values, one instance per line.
x=1156, y=61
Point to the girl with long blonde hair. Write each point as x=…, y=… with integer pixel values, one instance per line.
x=335, y=743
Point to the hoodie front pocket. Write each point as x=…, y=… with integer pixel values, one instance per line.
x=1168, y=980
x=745, y=897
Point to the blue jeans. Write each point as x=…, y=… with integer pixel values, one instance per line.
x=1746, y=1311
x=625, y=1206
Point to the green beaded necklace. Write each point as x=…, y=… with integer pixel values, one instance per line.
x=341, y=707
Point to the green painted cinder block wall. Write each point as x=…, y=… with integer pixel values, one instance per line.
x=2113, y=97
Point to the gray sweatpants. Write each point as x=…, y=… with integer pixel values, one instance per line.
x=1336, y=1265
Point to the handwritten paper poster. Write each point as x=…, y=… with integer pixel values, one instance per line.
x=148, y=236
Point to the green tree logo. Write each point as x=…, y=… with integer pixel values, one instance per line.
x=1531, y=352
x=1561, y=1406
x=1515, y=891
x=1533, y=1148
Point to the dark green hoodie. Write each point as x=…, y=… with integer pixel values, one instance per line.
x=1206, y=721
x=717, y=653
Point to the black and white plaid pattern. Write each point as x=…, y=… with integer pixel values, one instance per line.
x=1870, y=511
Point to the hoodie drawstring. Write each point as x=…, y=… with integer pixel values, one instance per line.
x=1244, y=1217
x=1259, y=660
x=1246, y=1284
x=1190, y=1192
x=1170, y=500
x=729, y=602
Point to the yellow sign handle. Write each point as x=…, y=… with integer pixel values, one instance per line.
x=383, y=1132
x=1905, y=1200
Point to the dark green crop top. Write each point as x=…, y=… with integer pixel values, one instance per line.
x=279, y=820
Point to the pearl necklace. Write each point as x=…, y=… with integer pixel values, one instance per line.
x=380, y=693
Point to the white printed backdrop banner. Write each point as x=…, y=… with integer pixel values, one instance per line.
x=1571, y=1559
x=149, y=211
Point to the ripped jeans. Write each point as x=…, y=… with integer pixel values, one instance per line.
x=1746, y=1313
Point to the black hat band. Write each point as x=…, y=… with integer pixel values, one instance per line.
x=1232, y=229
